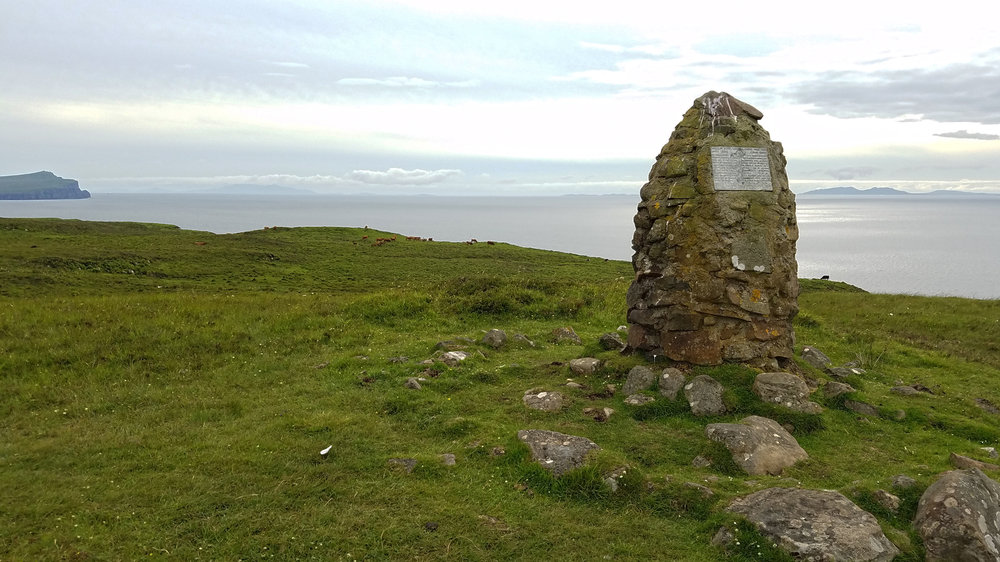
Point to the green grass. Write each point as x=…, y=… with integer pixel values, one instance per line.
x=167, y=393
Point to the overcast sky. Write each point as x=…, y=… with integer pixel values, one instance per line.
x=489, y=97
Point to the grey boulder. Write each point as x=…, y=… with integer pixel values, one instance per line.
x=543, y=400
x=816, y=358
x=816, y=525
x=671, y=382
x=584, y=365
x=639, y=378
x=611, y=342
x=495, y=338
x=958, y=517
x=557, y=452
x=785, y=389
x=759, y=445
x=704, y=394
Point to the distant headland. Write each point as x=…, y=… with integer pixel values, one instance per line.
x=40, y=185
x=892, y=192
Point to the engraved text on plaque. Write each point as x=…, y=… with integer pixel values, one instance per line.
x=738, y=168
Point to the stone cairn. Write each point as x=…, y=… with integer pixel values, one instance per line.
x=715, y=271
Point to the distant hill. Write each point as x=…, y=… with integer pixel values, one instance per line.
x=40, y=185
x=846, y=190
x=961, y=194
x=889, y=191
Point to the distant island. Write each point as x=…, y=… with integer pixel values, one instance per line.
x=40, y=185
x=892, y=192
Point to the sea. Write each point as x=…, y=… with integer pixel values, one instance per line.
x=884, y=244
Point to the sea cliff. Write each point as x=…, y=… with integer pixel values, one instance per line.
x=40, y=185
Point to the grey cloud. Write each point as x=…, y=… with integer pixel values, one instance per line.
x=399, y=176
x=286, y=64
x=848, y=172
x=963, y=134
x=956, y=93
x=405, y=82
x=127, y=51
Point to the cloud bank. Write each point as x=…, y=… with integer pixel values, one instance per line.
x=963, y=134
x=399, y=176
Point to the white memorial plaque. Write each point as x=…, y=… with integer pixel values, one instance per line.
x=740, y=168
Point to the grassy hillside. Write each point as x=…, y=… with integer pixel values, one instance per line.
x=167, y=393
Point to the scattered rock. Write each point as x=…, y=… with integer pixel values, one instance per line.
x=887, y=500
x=759, y=445
x=671, y=382
x=614, y=476
x=498, y=452
x=404, y=465
x=399, y=359
x=556, y=452
x=584, y=365
x=611, y=342
x=841, y=373
x=453, y=358
x=786, y=390
x=959, y=461
x=430, y=373
x=566, y=334
x=904, y=390
x=494, y=523
x=599, y=414
x=701, y=462
x=987, y=406
x=495, y=338
x=991, y=452
x=543, y=400
x=958, y=517
x=723, y=537
x=522, y=340
x=430, y=526
x=704, y=394
x=833, y=389
x=448, y=459
x=413, y=383
x=705, y=490
x=902, y=482
x=861, y=408
x=899, y=415
x=816, y=358
x=638, y=399
x=575, y=385
x=816, y=525
x=639, y=378
x=456, y=344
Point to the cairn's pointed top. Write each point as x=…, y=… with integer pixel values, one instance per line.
x=721, y=105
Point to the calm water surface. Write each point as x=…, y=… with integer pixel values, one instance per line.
x=886, y=245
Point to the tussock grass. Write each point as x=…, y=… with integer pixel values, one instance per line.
x=167, y=393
